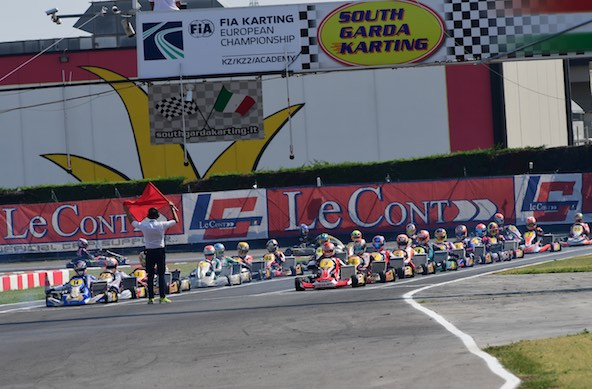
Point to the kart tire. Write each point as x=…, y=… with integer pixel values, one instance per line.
x=354, y=281
x=292, y=271
x=298, y=284
x=442, y=267
x=424, y=270
x=288, y=251
x=401, y=273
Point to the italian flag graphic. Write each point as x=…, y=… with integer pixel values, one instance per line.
x=228, y=102
x=549, y=17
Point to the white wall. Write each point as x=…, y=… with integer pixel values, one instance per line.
x=535, y=103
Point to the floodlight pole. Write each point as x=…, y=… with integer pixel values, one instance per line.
x=183, y=113
x=289, y=106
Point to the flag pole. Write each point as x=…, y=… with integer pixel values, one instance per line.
x=69, y=160
x=185, y=162
x=289, y=106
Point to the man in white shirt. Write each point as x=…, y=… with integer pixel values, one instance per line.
x=165, y=5
x=154, y=231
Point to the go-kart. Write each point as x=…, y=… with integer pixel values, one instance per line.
x=173, y=282
x=315, y=251
x=99, y=259
x=268, y=268
x=533, y=245
x=359, y=278
x=330, y=276
x=422, y=264
x=511, y=232
x=464, y=259
x=125, y=289
x=204, y=276
x=577, y=236
x=76, y=292
x=397, y=262
x=379, y=270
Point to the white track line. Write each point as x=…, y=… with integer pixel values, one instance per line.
x=511, y=380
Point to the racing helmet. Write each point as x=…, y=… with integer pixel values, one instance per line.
x=410, y=229
x=209, y=251
x=111, y=264
x=531, y=223
x=579, y=217
x=359, y=247
x=82, y=243
x=242, y=248
x=324, y=237
x=423, y=237
x=480, y=230
x=328, y=249
x=440, y=235
x=142, y=258
x=499, y=219
x=304, y=230
x=356, y=235
x=378, y=242
x=272, y=245
x=402, y=240
x=80, y=268
x=493, y=229
x=219, y=249
x=460, y=231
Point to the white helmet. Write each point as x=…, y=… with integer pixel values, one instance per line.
x=82, y=243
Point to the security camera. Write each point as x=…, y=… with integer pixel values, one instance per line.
x=115, y=10
x=52, y=11
x=103, y=11
x=56, y=19
x=128, y=28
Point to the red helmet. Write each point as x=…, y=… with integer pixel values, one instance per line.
x=499, y=219
x=209, y=252
x=480, y=230
x=460, y=231
x=111, y=264
x=531, y=223
x=328, y=249
x=402, y=240
x=423, y=236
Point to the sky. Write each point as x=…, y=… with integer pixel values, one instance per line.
x=26, y=19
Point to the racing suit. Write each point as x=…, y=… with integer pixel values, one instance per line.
x=84, y=254
x=280, y=258
x=409, y=252
x=247, y=259
x=586, y=228
x=386, y=254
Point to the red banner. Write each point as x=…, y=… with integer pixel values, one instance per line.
x=57, y=226
x=390, y=207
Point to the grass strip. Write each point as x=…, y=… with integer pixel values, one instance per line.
x=572, y=265
x=561, y=362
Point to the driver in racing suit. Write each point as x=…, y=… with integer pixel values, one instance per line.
x=222, y=258
x=118, y=276
x=356, y=235
x=79, y=274
x=329, y=253
x=209, y=253
x=378, y=243
x=273, y=247
x=305, y=240
x=411, y=232
x=580, y=220
x=83, y=252
x=243, y=253
x=404, y=246
x=359, y=250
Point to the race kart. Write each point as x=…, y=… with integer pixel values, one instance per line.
x=359, y=278
x=422, y=264
x=379, y=270
x=76, y=292
x=532, y=245
x=204, y=276
x=464, y=259
x=397, y=262
x=330, y=276
x=99, y=259
x=268, y=268
x=577, y=236
x=173, y=281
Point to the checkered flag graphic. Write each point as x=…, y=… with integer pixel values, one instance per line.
x=308, y=35
x=173, y=107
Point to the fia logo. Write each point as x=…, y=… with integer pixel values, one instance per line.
x=201, y=28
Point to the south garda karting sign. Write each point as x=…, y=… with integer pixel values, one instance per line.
x=218, y=41
x=56, y=227
x=206, y=111
x=222, y=216
x=381, y=33
x=550, y=198
x=390, y=207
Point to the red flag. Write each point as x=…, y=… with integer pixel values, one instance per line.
x=150, y=198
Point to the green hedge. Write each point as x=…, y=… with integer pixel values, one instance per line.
x=479, y=163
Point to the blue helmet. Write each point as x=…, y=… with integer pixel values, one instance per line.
x=303, y=229
x=378, y=242
x=480, y=230
x=219, y=248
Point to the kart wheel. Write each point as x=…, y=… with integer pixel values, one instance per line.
x=354, y=281
x=292, y=271
x=401, y=273
x=424, y=270
x=298, y=284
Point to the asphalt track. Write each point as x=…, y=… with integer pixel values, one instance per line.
x=259, y=335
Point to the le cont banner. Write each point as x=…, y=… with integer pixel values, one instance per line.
x=206, y=111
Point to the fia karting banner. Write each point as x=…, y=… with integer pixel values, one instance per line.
x=206, y=111
x=56, y=227
x=388, y=208
x=550, y=198
x=339, y=36
x=222, y=216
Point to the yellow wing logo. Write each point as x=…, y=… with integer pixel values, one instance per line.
x=166, y=160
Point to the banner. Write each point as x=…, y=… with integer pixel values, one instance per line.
x=550, y=198
x=209, y=111
x=339, y=36
x=222, y=216
x=389, y=207
x=56, y=227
